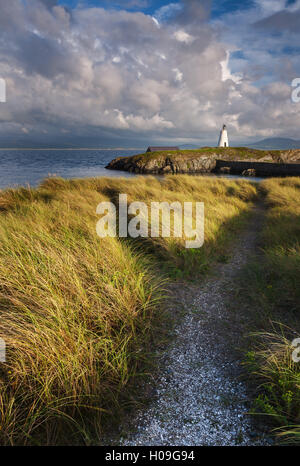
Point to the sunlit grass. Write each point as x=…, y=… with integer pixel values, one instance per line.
x=273, y=287
x=79, y=313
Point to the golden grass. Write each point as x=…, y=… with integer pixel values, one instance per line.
x=78, y=313
x=273, y=286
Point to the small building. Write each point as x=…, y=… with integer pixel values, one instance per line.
x=223, y=139
x=160, y=149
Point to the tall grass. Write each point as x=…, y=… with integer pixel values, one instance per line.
x=79, y=313
x=273, y=287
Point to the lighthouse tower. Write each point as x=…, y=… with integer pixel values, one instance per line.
x=223, y=140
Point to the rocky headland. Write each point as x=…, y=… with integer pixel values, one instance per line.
x=205, y=160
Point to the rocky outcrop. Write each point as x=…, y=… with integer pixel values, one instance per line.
x=164, y=164
x=249, y=172
x=201, y=161
x=290, y=156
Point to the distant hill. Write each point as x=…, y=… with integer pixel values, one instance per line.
x=276, y=143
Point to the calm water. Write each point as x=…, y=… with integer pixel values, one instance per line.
x=23, y=167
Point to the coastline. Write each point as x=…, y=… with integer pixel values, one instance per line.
x=241, y=161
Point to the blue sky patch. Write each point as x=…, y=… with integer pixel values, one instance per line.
x=219, y=7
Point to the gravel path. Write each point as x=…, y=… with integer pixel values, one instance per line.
x=200, y=398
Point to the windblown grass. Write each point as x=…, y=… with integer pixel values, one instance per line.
x=273, y=287
x=79, y=313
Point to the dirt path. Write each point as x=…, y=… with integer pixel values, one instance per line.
x=200, y=397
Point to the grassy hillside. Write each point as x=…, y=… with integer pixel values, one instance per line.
x=231, y=153
x=228, y=153
x=273, y=291
x=79, y=314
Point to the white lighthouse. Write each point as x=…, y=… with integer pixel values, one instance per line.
x=223, y=140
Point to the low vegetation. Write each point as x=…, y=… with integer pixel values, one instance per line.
x=272, y=286
x=229, y=153
x=79, y=314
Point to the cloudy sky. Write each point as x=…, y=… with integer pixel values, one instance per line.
x=134, y=72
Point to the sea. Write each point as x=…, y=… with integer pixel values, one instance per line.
x=29, y=167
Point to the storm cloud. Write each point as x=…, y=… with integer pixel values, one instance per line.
x=174, y=76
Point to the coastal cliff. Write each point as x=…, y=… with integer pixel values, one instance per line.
x=199, y=161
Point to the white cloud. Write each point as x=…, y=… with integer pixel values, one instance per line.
x=226, y=72
x=156, y=21
x=183, y=36
x=178, y=74
x=166, y=12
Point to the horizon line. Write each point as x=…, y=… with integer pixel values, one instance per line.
x=70, y=148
